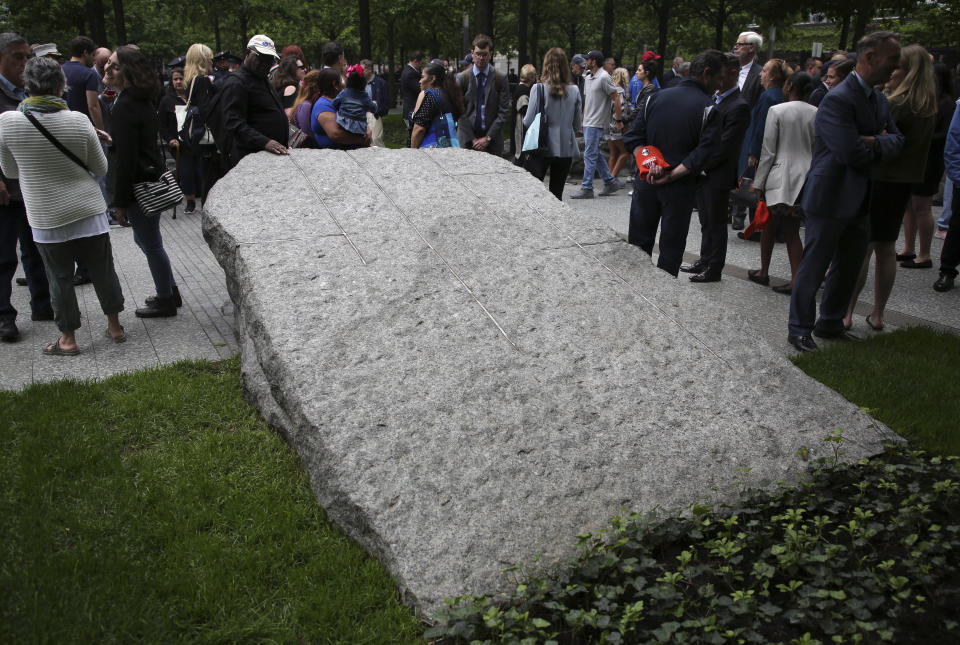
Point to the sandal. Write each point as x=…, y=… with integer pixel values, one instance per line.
x=785, y=289
x=120, y=339
x=872, y=326
x=902, y=257
x=54, y=349
x=753, y=275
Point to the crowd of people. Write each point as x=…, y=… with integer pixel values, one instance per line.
x=852, y=148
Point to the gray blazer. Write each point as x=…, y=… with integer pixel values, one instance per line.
x=563, y=115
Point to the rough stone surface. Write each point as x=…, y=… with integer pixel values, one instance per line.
x=473, y=374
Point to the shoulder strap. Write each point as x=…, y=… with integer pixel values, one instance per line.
x=54, y=141
x=193, y=82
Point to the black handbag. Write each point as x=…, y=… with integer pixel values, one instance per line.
x=194, y=131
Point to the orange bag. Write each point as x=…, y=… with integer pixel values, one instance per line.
x=760, y=219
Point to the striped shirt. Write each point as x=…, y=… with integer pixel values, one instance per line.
x=56, y=191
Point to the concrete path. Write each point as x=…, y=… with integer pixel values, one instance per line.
x=204, y=326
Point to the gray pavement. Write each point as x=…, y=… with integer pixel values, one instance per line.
x=203, y=328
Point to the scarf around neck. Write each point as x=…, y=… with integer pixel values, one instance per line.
x=42, y=104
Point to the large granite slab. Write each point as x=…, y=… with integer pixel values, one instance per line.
x=473, y=374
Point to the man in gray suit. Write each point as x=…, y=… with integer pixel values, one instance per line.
x=854, y=130
x=486, y=97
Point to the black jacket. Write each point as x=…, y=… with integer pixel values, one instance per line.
x=167, y=115
x=734, y=118
x=680, y=123
x=9, y=101
x=752, y=89
x=409, y=89
x=134, y=155
x=252, y=114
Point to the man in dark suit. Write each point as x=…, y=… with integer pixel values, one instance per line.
x=682, y=124
x=14, y=52
x=746, y=47
x=673, y=72
x=721, y=177
x=854, y=131
x=410, y=89
x=486, y=100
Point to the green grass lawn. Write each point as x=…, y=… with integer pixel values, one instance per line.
x=907, y=379
x=157, y=507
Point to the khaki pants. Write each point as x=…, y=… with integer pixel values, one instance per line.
x=376, y=130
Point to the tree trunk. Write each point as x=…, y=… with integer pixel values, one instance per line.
x=363, y=8
x=523, y=9
x=216, y=32
x=535, y=40
x=98, y=28
x=606, y=40
x=391, y=57
x=484, y=21
x=121, y=23
x=863, y=19
x=718, y=25
x=844, y=31
x=244, y=34
x=663, y=25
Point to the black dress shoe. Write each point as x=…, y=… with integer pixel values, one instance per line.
x=8, y=331
x=81, y=279
x=706, y=276
x=754, y=237
x=177, y=300
x=802, y=343
x=696, y=267
x=21, y=282
x=843, y=334
x=943, y=283
x=159, y=308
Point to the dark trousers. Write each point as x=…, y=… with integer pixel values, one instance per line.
x=97, y=254
x=950, y=256
x=190, y=173
x=839, y=244
x=558, y=167
x=712, y=209
x=669, y=207
x=146, y=235
x=14, y=227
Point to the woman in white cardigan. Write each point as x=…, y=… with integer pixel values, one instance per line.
x=65, y=207
x=784, y=160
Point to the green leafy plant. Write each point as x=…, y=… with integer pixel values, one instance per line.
x=858, y=553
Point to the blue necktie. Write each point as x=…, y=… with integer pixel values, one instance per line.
x=478, y=123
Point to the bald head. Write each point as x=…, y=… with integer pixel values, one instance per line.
x=100, y=56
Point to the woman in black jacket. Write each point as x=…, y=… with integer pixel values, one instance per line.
x=135, y=157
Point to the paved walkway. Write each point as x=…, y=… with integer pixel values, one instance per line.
x=203, y=328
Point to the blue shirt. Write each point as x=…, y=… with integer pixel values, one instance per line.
x=635, y=86
x=17, y=91
x=951, y=151
x=80, y=80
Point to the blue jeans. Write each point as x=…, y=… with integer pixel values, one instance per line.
x=13, y=227
x=146, y=234
x=593, y=161
x=944, y=220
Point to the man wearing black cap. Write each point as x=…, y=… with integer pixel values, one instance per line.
x=598, y=90
x=253, y=117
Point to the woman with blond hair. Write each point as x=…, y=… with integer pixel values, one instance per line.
x=618, y=153
x=561, y=102
x=199, y=164
x=912, y=93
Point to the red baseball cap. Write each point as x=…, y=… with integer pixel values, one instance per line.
x=647, y=157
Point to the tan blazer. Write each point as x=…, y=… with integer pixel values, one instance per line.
x=786, y=151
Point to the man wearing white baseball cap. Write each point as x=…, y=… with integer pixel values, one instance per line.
x=253, y=117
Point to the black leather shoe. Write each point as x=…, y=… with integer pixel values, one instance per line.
x=159, y=308
x=81, y=279
x=754, y=237
x=943, y=283
x=706, y=276
x=802, y=343
x=696, y=267
x=177, y=300
x=44, y=314
x=8, y=331
x=738, y=221
x=844, y=335
x=21, y=282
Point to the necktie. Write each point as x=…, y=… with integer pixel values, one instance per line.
x=481, y=95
